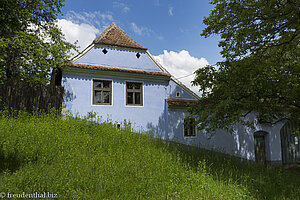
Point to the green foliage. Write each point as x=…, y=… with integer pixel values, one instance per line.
x=31, y=44
x=83, y=159
x=261, y=70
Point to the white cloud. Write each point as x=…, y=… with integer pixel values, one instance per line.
x=160, y=37
x=140, y=30
x=96, y=18
x=84, y=33
x=182, y=64
x=84, y=26
x=171, y=10
x=125, y=8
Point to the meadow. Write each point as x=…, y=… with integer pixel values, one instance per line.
x=90, y=158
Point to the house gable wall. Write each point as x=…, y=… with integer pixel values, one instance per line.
x=119, y=59
x=174, y=88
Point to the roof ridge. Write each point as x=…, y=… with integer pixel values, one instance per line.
x=115, y=36
x=105, y=31
x=127, y=37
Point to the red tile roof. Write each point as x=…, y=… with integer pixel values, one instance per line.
x=115, y=36
x=98, y=67
x=180, y=102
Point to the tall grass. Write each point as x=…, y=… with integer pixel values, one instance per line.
x=82, y=159
x=262, y=182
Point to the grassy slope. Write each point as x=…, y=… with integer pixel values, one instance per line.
x=76, y=159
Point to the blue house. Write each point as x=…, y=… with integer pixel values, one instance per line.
x=119, y=79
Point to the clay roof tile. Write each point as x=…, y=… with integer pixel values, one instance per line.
x=115, y=36
x=104, y=68
x=180, y=102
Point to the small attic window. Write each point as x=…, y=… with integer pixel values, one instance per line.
x=177, y=94
x=138, y=55
x=104, y=51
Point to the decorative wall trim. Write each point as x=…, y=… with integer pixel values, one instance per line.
x=119, y=48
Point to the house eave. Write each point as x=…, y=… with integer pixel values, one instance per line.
x=179, y=104
x=85, y=51
x=117, y=73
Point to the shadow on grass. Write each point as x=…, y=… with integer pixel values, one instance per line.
x=263, y=182
x=10, y=163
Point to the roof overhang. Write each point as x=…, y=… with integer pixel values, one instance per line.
x=113, y=72
x=180, y=103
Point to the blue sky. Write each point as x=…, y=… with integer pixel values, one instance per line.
x=169, y=29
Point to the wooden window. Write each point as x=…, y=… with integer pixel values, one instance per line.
x=189, y=127
x=102, y=92
x=134, y=94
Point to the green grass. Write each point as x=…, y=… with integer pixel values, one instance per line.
x=77, y=159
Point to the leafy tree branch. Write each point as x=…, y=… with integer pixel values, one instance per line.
x=260, y=72
x=31, y=44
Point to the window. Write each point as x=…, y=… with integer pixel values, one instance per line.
x=134, y=94
x=102, y=92
x=189, y=127
x=138, y=55
x=177, y=94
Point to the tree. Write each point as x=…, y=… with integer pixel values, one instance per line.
x=261, y=69
x=31, y=44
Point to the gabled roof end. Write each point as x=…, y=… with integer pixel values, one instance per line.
x=115, y=36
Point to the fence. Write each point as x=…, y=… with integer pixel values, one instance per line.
x=26, y=96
